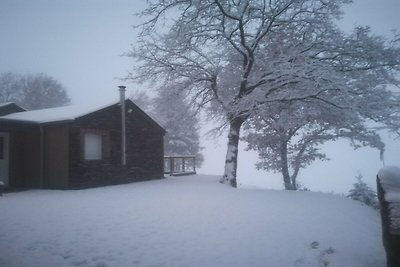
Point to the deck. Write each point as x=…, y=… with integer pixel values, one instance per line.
x=180, y=165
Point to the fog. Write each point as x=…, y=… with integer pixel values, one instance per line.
x=80, y=43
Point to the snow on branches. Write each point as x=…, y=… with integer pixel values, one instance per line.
x=235, y=57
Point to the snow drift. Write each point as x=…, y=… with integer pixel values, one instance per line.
x=186, y=221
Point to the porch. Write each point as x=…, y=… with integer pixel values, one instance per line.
x=180, y=165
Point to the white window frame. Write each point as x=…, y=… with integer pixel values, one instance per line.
x=92, y=146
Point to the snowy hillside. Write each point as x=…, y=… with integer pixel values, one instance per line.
x=186, y=221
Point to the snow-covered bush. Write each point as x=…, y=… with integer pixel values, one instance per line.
x=363, y=193
x=302, y=187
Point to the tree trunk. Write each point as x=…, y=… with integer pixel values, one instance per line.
x=295, y=173
x=294, y=182
x=231, y=159
x=287, y=182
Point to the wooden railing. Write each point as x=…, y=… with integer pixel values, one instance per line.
x=180, y=165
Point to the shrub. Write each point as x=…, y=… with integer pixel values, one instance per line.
x=363, y=193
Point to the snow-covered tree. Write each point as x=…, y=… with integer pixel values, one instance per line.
x=181, y=123
x=287, y=136
x=178, y=118
x=32, y=91
x=363, y=193
x=143, y=101
x=9, y=87
x=287, y=133
x=233, y=56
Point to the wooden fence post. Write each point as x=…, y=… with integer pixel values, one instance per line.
x=388, y=189
x=2, y=186
x=172, y=165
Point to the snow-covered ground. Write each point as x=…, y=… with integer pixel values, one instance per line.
x=186, y=221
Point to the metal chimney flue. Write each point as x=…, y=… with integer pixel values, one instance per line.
x=122, y=90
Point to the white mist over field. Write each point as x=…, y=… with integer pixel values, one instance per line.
x=335, y=175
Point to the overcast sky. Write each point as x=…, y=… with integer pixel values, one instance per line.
x=80, y=43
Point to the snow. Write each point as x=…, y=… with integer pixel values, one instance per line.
x=393, y=196
x=66, y=113
x=390, y=176
x=390, y=180
x=5, y=104
x=186, y=221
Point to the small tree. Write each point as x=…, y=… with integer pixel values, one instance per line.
x=287, y=136
x=32, y=91
x=363, y=193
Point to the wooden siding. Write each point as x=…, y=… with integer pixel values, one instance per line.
x=60, y=162
x=56, y=153
x=24, y=168
x=144, y=149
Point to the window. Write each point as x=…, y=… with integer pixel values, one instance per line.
x=95, y=144
x=92, y=146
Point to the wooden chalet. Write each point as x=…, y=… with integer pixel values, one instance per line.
x=71, y=147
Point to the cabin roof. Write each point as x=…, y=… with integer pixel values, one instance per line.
x=52, y=114
x=62, y=114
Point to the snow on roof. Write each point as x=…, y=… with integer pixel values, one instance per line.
x=54, y=114
x=5, y=104
x=390, y=180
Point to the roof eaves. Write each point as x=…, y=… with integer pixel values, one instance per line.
x=43, y=123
